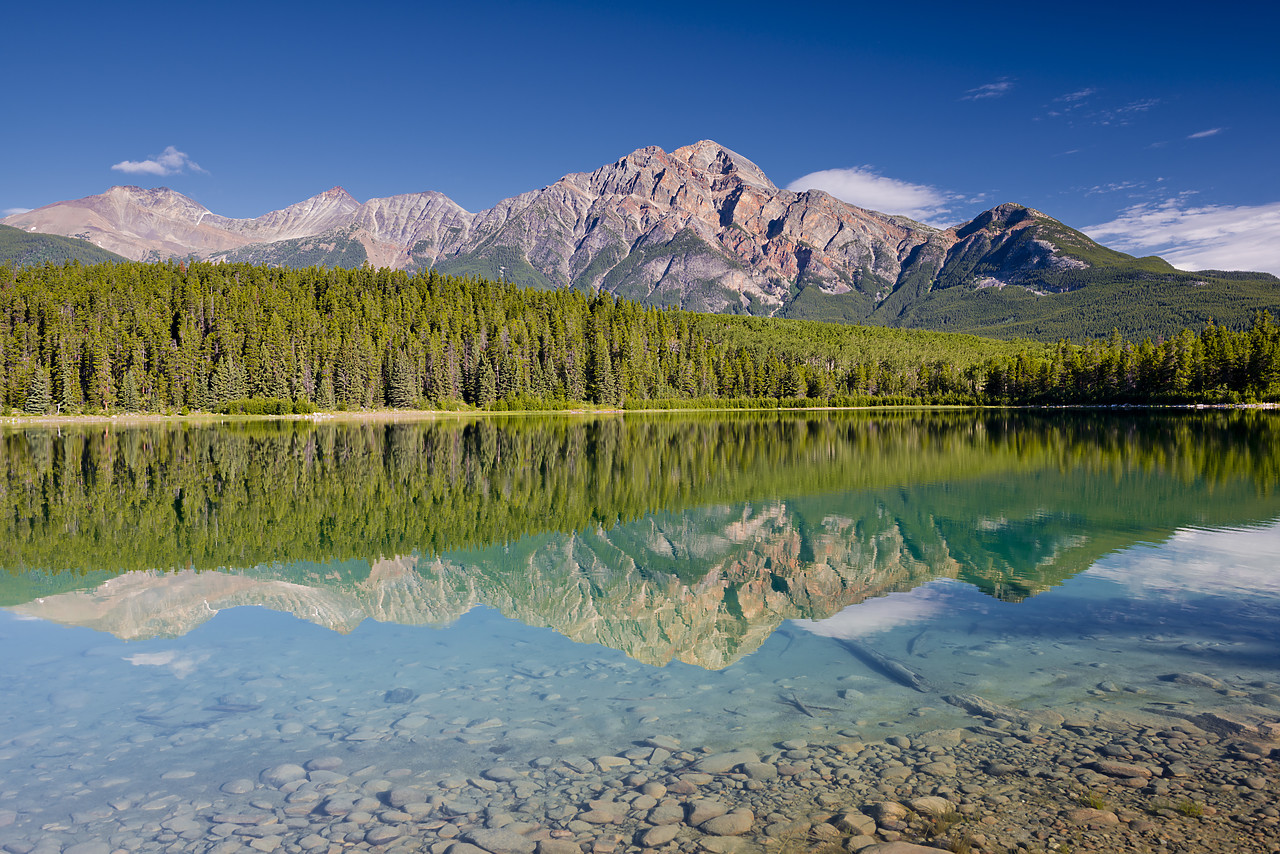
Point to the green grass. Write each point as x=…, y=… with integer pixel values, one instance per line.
x=1093, y=800
x=1190, y=808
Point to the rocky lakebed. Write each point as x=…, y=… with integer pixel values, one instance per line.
x=1178, y=779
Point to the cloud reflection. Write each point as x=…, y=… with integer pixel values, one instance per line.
x=1227, y=562
x=887, y=612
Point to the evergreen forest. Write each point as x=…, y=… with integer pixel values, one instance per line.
x=22, y=249
x=176, y=337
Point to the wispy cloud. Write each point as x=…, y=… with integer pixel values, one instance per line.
x=14, y=211
x=1081, y=106
x=1201, y=134
x=861, y=186
x=1210, y=237
x=170, y=162
x=989, y=90
x=1076, y=96
x=1125, y=113
x=1113, y=187
x=1071, y=101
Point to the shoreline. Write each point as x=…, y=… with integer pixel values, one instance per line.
x=138, y=418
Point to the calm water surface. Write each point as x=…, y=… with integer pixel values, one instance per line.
x=509, y=617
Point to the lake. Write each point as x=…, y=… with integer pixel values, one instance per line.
x=986, y=631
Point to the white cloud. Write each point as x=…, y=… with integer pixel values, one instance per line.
x=1113, y=187
x=171, y=162
x=1079, y=106
x=988, y=90
x=1071, y=101
x=1210, y=237
x=1078, y=95
x=14, y=211
x=1203, y=133
x=863, y=187
x=1124, y=115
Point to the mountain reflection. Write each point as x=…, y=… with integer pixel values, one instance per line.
x=668, y=538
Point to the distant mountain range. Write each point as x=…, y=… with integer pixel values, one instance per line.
x=703, y=228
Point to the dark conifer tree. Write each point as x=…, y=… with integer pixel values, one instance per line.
x=39, y=394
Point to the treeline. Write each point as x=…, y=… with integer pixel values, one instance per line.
x=1216, y=366
x=173, y=337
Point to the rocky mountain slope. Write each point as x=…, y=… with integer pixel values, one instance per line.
x=701, y=227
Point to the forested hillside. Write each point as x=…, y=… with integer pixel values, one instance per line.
x=169, y=337
x=19, y=248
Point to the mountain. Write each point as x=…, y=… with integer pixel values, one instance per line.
x=704, y=228
x=25, y=249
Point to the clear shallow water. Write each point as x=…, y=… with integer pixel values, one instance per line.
x=718, y=625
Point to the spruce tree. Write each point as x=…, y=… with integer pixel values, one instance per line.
x=39, y=395
x=227, y=383
x=67, y=387
x=486, y=384
x=402, y=391
x=325, y=396
x=130, y=398
x=602, y=383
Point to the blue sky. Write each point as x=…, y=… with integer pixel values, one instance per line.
x=1154, y=130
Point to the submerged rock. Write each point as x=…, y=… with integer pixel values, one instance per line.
x=399, y=695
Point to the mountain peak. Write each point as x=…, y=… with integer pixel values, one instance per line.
x=319, y=213
x=335, y=193
x=710, y=156
x=1002, y=216
x=151, y=197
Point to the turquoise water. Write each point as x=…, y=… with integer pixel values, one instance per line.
x=1083, y=584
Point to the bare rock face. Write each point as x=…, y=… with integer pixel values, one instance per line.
x=134, y=222
x=320, y=213
x=701, y=227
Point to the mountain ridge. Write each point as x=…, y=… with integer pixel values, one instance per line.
x=701, y=227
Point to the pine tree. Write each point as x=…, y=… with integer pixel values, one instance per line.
x=402, y=391
x=602, y=382
x=486, y=384
x=325, y=396
x=39, y=395
x=67, y=385
x=98, y=366
x=227, y=383
x=130, y=398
